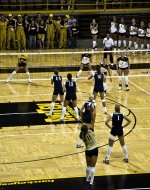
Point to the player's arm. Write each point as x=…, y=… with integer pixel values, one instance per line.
x=81, y=112
x=52, y=80
x=117, y=66
x=107, y=122
x=128, y=121
x=64, y=87
x=93, y=117
x=128, y=65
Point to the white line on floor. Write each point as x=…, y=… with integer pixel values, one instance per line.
x=135, y=188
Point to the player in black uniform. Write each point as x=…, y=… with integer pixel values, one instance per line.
x=98, y=85
x=123, y=67
x=88, y=115
x=85, y=62
x=22, y=63
x=70, y=88
x=117, y=130
x=56, y=79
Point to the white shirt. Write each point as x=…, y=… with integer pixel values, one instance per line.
x=108, y=43
x=113, y=27
x=148, y=32
x=122, y=28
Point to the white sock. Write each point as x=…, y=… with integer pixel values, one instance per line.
x=135, y=45
x=87, y=172
x=124, y=43
x=108, y=152
x=119, y=43
x=79, y=142
x=52, y=107
x=115, y=43
x=92, y=173
x=105, y=109
x=126, y=80
x=94, y=44
x=130, y=44
x=11, y=76
x=28, y=76
x=124, y=148
x=77, y=112
x=63, y=112
x=105, y=86
x=79, y=73
x=142, y=46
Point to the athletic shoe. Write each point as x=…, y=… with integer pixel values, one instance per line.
x=127, y=88
x=120, y=87
x=79, y=146
x=29, y=81
x=106, y=161
x=61, y=119
x=50, y=114
x=91, y=187
x=126, y=160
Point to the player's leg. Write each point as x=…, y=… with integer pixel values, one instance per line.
x=120, y=79
x=103, y=101
x=115, y=41
x=109, y=149
x=94, y=38
x=119, y=42
x=74, y=102
x=124, y=148
x=91, y=72
x=148, y=44
x=13, y=73
x=142, y=44
x=130, y=42
x=105, y=87
x=126, y=79
x=80, y=71
x=92, y=168
x=124, y=41
x=54, y=98
x=27, y=73
x=66, y=102
x=88, y=162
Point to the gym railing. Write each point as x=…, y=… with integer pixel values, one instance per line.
x=74, y=6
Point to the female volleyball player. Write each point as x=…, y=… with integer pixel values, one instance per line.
x=22, y=63
x=141, y=35
x=114, y=31
x=123, y=67
x=91, y=153
x=148, y=37
x=122, y=34
x=70, y=88
x=94, y=32
x=117, y=130
x=88, y=115
x=98, y=86
x=85, y=62
x=56, y=79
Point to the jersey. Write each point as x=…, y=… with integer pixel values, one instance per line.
x=141, y=31
x=89, y=139
x=85, y=58
x=122, y=28
x=70, y=90
x=148, y=32
x=117, y=120
x=11, y=24
x=22, y=60
x=113, y=27
x=133, y=29
x=98, y=82
x=41, y=29
x=86, y=115
x=94, y=29
x=104, y=68
x=57, y=79
x=123, y=63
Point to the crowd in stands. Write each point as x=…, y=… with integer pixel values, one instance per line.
x=22, y=32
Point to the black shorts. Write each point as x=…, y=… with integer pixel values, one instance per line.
x=58, y=91
x=22, y=64
x=114, y=32
x=141, y=37
x=116, y=131
x=147, y=38
x=96, y=89
x=122, y=34
x=94, y=34
x=90, y=153
x=123, y=68
x=133, y=35
x=70, y=97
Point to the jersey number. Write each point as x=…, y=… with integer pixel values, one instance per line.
x=70, y=83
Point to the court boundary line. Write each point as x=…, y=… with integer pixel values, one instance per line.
x=139, y=87
x=135, y=188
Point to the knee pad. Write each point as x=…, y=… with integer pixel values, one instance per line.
x=126, y=79
x=105, y=85
x=14, y=72
x=120, y=78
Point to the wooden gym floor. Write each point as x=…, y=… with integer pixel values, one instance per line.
x=37, y=152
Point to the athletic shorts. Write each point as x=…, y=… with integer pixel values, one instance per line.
x=116, y=131
x=147, y=38
x=70, y=97
x=90, y=153
x=141, y=37
x=96, y=89
x=22, y=64
x=133, y=35
x=122, y=34
x=56, y=92
x=123, y=68
x=94, y=34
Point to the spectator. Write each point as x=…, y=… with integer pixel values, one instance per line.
x=50, y=32
x=11, y=27
x=74, y=34
x=41, y=34
x=32, y=34
x=3, y=26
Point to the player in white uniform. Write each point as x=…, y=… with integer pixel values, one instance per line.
x=133, y=30
x=85, y=62
x=148, y=37
x=141, y=35
x=114, y=31
x=123, y=67
x=122, y=34
x=94, y=32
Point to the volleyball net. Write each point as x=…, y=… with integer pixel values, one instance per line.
x=42, y=63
